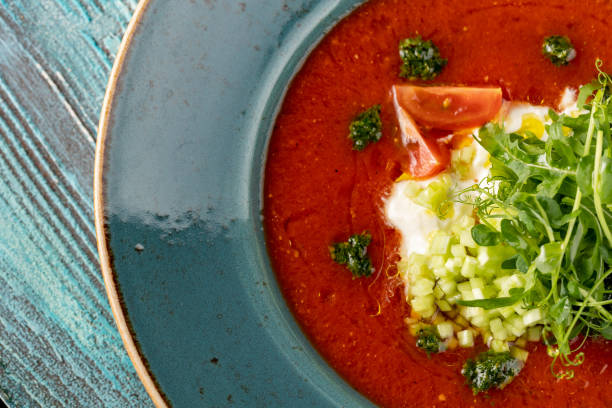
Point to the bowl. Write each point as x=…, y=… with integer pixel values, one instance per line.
x=180, y=154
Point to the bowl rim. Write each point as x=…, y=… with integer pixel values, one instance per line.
x=112, y=292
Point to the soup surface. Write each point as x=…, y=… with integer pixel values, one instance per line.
x=318, y=190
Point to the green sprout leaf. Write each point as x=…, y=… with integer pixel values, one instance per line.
x=494, y=303
x=484, y=235
x=554, y=198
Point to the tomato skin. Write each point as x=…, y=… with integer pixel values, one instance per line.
x=425, y=156
x=428, y=159
x=449, y=107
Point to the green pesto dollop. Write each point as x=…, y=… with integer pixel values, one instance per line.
x=366, y=128
x=429, y=340
x=354, y=254
x=558, y=49
x=420, y=59
x=490, y=369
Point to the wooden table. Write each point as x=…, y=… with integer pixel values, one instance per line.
x=58, y=343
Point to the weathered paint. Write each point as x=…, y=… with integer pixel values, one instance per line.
x=58, y=342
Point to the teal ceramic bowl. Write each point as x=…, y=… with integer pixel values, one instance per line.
x=181, y=149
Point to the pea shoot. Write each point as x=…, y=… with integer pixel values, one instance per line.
x=551, y=202
x=558, y=49
x=420, y=59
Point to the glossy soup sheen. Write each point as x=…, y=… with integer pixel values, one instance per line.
x=318, y=190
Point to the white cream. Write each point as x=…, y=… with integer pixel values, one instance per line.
x=513, y=119
x=514, y=112
x=568, y=101
x=415, y=222
x=480, y=167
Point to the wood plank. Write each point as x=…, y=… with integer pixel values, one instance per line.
x=58, y=342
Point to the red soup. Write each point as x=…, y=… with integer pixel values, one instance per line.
x=318, y=190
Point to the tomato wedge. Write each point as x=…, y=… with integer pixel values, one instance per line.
x=449, y=107
x=426, y=157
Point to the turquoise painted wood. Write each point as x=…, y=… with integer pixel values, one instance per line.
x=58, y=343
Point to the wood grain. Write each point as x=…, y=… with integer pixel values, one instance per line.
x=59, y=346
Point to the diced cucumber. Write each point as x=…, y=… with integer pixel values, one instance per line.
x=440, y=272
x=477, y=293
x=519, y=308
x=422, y=287
x=465, y=239
x=500, y=282
x=497, y=329
x=486, y=272
x=468, y=269
x=417, y=259
x=456, y=268
x=444, y=305
x=461, y=161
x=434, y=194
x=424, y=305
x=484, y=256
x=467, y=295
x=438, y=292
x=460, y=320
x=418, y=271
x=516, y=321
x=489, y=292
x=455, y=157
x=448, y=285
x=458, y=251
x=512, y=281
x=440, y=243
x=521, y=342
x=487, y=338
x=499, y=346
x=519, y=353
x=452, y=299
x=445, y=330
x=470, y=312
x=453, y=265
x=532, y=317
x=534, y=333
x=513, y=330
x=462, y=223
x=481, y=321
x=437, y=261
x=464, y=287
x=477, y=283
x=465, y=338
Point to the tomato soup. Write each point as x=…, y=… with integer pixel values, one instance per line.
x=319, y=191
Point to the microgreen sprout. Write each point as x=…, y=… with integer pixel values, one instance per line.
x=551, y=201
